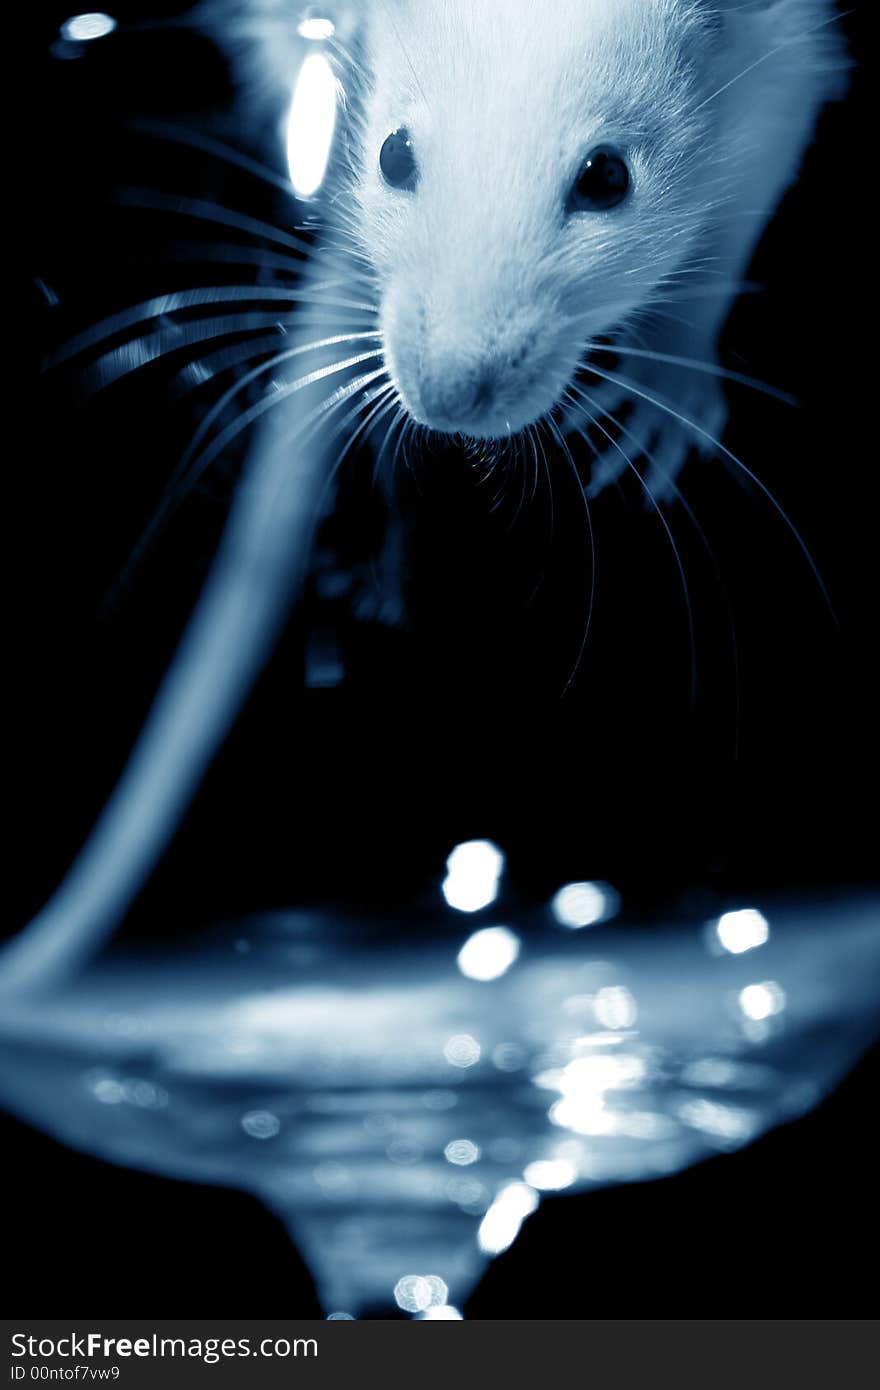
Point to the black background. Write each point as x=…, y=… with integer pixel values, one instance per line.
x=462, y=724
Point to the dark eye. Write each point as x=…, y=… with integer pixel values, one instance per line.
x=603, y=183
x=397, y=161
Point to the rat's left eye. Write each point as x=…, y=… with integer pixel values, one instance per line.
x=603, y=182
x=397, y=161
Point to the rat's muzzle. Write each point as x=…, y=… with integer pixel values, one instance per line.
x=457, y=396
x=471, y=363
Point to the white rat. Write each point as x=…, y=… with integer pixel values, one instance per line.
x=571, y=167
x=523, y=179
x=514, y=182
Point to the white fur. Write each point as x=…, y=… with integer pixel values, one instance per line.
x=480, y=271
x=503, y=99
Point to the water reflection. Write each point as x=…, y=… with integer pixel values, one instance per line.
x=473, y=876
x=762, y=1001
x=741, y=931
x=405, y=1114
x=84, y=28
x=488, y=954
x=580, y=905
x=500, y=1226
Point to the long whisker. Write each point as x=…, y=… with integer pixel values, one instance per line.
x=260, y=370
x=229, y=253
x=519, y=462
x=594, y=420
x=179, y=300
x=399, y=446
x=530, y=433
x=203, y=370
x=204, y=211
x=588, y=623
x=771, y=53
x=383, y=400
x=403, y=48
x=551, y=524
x=320, y=414
x=400, y=418
x=380, y=408
x=182, y=135
x=704, y=540
x=694, y=364
x=178, y=484
x=152, y=347
x=702, y=433
x=270, y=401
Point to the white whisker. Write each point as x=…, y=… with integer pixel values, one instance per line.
x=738, y=463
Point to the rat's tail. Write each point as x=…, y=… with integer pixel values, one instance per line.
x=237, y=619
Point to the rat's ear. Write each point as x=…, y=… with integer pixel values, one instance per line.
x=266, y=41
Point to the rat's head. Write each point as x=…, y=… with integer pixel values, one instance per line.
x=529, y=176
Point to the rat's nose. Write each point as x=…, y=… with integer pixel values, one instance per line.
x=456, y=394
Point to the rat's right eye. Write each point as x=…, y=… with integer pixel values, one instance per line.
x=397, y=161
x=603, y=183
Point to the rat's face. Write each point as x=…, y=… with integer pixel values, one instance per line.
x=531, y=174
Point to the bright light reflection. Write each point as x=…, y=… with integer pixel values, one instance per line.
x=473, y=874
x=500, y=1226
x=615, y=1007
x=508, y=1057
x=550, y=1175
x=759, y=1002
x=468, y=1194
x=82, y=28
x=742, y=931
x=607, y=1071
x=488, y=954
x=580, y=905
x=586, y=1115
x=445, y=1313
x=462, y=1050
x=316, y=27
x=582, y=1086
x=108, y=1091
x=723, y=1121
x=419, y=1293
x=261, y=1124
x=310, y=125
x=461, y=1152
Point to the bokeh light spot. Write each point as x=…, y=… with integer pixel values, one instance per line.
x=261, y=1124
x=762, y=1001
x=580, y=905
x=741, y=931
x=488, y=954
x=473, y=875
x=462, y=1051
x=83, y=28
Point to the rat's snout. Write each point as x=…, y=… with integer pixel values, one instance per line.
x=454, y=393
x=467, y=361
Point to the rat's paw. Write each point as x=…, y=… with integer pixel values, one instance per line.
x=620, y=451
x=380, y=590
x=704, y=414
x=379, y=603
x=600, y=404
x=682, y=417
